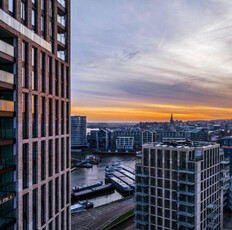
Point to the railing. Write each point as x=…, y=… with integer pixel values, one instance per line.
x=62, y=2
x=6, y=48
x=6, y=106
x=61, y=56
x=8, y=220
x=61, y=38
x=61, y=20
x=7, y=161
x=7, y=134
x=6, y=77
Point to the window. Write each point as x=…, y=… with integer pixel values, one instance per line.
x=50, y=115
x=50, y=197
x=43, y=72
x=57, y=194
x=57, y=156
x=34, y=116
x=50, y=158
x=25, y=115
x=25, y=166
x=42, y=5
x=11, y=6
x=34, y=69
x=33, y=18
x=43, y=204
x=43, y=114
x=43, y=160
x=34, y=204
x=34, y=162
x=42, y=24
x=25, y=212
x=23, y=11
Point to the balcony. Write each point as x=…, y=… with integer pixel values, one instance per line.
x=61, y=38
x=212, y=206
x=186, y=203
x=212, y=225
x=225, y=162
x=141, y=194
x=187, y=214
x=7, y=134
x=6, y=77
x=187, y=171
x=7, y=165
x=6, y=48
x=212, y=216
x=61, y=20
x=187, y=193
x=186, y=182
x=140, y=212
x=6, y=196
x=61, y=2
x=143, y=222
x=8, y=220
x=142, y=203
x=61, y=56
x=6, y=106
x=185, y=224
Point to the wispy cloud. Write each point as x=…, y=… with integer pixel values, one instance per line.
x=163, y=52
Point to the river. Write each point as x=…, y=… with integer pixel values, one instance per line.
x=82, y=176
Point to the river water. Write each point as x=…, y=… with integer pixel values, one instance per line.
x=82, y=176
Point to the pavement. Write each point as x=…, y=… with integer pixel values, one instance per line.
x=97, y=218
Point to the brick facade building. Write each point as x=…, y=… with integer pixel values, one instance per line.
x=35, y=114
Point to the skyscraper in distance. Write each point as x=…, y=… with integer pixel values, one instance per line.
x=78, y=132
x=35, y=114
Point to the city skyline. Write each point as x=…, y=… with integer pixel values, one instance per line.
x=142, y=62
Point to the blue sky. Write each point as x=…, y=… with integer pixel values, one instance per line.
x=138, y=60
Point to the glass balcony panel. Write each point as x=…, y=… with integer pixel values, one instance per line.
x=6, y=77
x=6, y=48
x=6, y=106
x=61, y=38
x=62, y=2
x=61, y=56
x=61, y=20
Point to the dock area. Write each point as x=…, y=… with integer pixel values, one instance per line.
x=93, y=192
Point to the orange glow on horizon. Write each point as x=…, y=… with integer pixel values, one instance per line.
x=151, y=112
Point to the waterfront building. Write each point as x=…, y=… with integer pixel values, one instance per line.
x=78, y=132
x=170, y=135
x=125, y=143
x=148, y=137
x=103, y=139
x=199, y=135
x=226, y=145
x=34, y=114
x=180, y=186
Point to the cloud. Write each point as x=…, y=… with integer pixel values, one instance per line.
x=167, y=52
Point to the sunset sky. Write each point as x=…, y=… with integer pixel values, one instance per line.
x=136, y=60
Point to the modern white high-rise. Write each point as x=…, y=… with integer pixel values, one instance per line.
x=78, y=131
x=180, y=187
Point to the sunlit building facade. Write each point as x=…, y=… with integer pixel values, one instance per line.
x=35, y=114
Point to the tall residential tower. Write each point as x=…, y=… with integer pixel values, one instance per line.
x=180, y=187
x=35, y=114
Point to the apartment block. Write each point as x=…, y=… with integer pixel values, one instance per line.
x=35, y=114
x=180, y=186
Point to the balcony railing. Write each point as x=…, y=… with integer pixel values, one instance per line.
x=7, y=134
x=8, y=220
x=61, y=20
x=185, y=203
x=6, y=48
x=61, y=56
x=6, y=77
x=62, y=2
x=61, y=38
x=7, y=162
x=6, y=106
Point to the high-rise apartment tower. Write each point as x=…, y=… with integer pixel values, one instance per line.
x=180, y=187
x=35, y=114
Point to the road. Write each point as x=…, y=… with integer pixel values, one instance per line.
x=96, y=218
